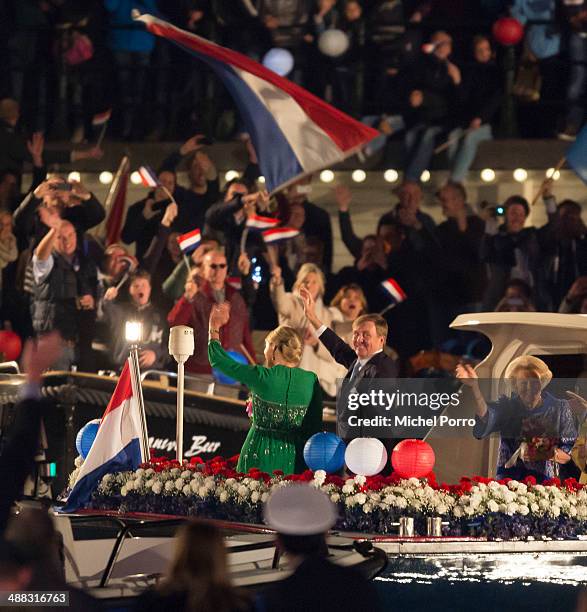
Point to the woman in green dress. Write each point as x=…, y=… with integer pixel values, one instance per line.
x=286, y=400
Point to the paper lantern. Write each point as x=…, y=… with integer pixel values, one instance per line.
x=86, y=436
x=324, y=451
x=365, y=456
x=508, y=31
x=280, y=61
x=223, y=378
x=10, y=345
x=412, y=458
x=333, y=43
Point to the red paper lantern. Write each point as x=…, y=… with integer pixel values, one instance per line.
x=412, y=458
x=508, y=31
x=10, y=345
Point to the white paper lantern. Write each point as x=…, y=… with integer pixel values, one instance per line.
x=281, y=61
x=365, y=456
x=333, y=43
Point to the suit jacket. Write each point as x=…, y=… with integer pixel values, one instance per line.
x=379, y=366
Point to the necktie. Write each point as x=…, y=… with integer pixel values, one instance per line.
x=355, y=372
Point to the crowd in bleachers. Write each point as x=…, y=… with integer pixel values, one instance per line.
x=416, y=68
x=59, y=276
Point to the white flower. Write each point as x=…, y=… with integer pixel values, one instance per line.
x=203, y=491
x=350, y=501
x=414, y=482
x=123, y=491
x=493, y=485
x=169, y=485
x=175, y=472
x=361, y=498
x=375, y=497
x=335, y=497
x=187, y=490
x=360, y=479
x=523, y=510
x=130, y=485
x=555, y=510
x=78, y=462
x=535, y=508
x=223, y=496
x=264, y=497
x=243, y=491
x=320, y=476
x=107, y=478
x=493, y=506
x=512, y=508
x=458, y=511
x=149, y=472
x=254, y=485
x=139, y=472
x=401, y=502
x=347, y=488
x=157, y=488
x=179, y=483
x=186, y=474
x=442, y=508
x=367, y=508
x=255, y=497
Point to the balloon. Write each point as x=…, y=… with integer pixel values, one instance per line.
x=324, y=451
x=86, y=436
x=365, y=456
x=333, y=43
x=412, y=458
x=280, y=61
x=10, y=345
x=223, y=378
x=508, y=31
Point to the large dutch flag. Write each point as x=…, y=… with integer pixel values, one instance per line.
x=294, y=132
x=117, y=445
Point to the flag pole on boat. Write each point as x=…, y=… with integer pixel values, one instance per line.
x=181, y=348
x=133, y=334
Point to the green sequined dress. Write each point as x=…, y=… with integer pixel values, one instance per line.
x=287, y=410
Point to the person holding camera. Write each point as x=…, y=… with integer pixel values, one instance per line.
x=64, y=292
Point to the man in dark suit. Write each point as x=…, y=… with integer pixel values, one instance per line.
x=366, y=361
x=301, y=515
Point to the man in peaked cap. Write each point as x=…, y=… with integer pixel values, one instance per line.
x=301, y=515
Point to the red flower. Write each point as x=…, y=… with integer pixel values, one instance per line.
x=196, y=461
x=278, y=472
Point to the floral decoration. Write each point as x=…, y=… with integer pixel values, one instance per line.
x=504, y=509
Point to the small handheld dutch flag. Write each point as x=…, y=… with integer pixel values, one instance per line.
x=235, y=282
x=257, y=222
x=279, y=234
x=190, y=241
x=393, y=291
x=148, y=176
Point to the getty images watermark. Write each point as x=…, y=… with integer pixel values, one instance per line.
x=429, y=407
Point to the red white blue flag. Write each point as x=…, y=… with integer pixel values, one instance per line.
x=101, y=118
x=257, y=222
x=148, y=176
x=117, y=446
x=279, y=234
x=393, y=290
x=190, y=241
x=294, y=132
x=235, y=282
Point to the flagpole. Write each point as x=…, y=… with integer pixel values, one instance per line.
x=102, y=132
x=137, y=390
x=560, y=164
x=244, y=237
x=388, y=308
x=114, y=185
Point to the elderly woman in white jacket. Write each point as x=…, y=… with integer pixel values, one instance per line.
x=290, y=311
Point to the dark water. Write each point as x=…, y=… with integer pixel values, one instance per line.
x=483, y=583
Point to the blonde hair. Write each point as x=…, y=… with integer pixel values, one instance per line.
x=304, y=271
x=342, y=293
x=287, y=341
x=528, y=363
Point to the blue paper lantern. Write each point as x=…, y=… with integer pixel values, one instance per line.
x=86, y=436
x=324, y=451
x=223, y=378
x=280, y=61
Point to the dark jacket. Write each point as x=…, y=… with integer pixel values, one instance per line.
x=482, y=92
x=154, y=331
x=17, y=458
x=29, y=229
x=54, y=304
x=318, y=585
x=317, y=224
x=440, y=105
